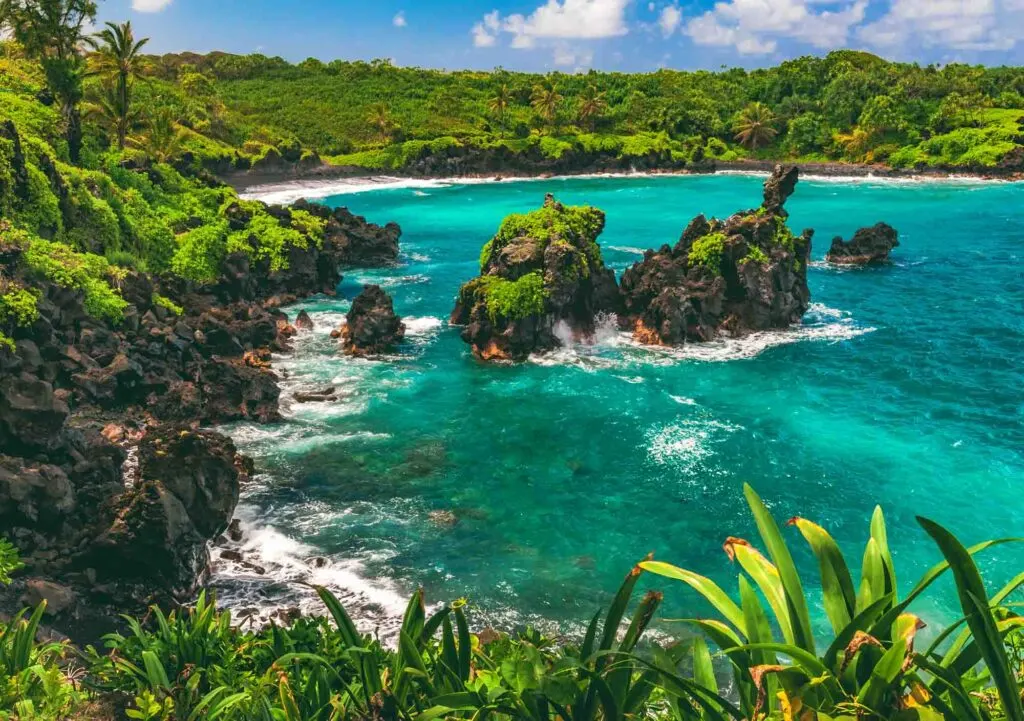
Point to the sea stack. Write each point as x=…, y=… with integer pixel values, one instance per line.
x=732, y=277
x=542, y=279
x=869, y=246
x=372, y=327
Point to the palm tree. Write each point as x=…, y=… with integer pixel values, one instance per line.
x=119, y=60
x=380, y=118
x=115, y=114
x=592, y=105
x=545, y=100
x=163, y=138
x=499, y=105
x=52, y=32
x=753, y=126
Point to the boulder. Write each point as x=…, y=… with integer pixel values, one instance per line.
x=542, y=279
x=867, y=247
x=31, y=415
x=371, y=326
x=744, y=274
x=34, y=495
x=59, y=598
x=303, y=321
x=158, y=533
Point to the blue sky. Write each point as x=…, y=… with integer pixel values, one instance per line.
x=574, y=35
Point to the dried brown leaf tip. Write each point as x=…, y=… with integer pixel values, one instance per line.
x=729, y=544
x=860, y=639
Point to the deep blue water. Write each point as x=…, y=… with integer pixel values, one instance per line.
x=904, y=387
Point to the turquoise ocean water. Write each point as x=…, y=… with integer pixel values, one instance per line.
x=904, y=387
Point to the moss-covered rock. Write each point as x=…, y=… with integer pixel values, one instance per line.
x=540, y=271
x=743, y=274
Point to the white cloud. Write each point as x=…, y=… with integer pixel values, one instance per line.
x=669, y=19
x=954, y=24
x=754, y=27
x=578, y=58
x=555, y=20
x=149, y=6
x=399, y=19
x=485, y=32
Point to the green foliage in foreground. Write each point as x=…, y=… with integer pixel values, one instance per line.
x=195, y=664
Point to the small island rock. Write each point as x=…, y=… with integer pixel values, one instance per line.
x=747, y=273
x=868, y=246
x=372, y=327
x=542, y=278
x=303, y=321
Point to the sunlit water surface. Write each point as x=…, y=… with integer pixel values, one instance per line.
x=904, y=387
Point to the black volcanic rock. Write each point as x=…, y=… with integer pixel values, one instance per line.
x=351, y=240
x=106, y=486
x=868, y=246
x=541, y=276
x=744, y=274
x=371, y=325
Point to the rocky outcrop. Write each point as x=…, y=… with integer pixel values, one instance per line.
x=744, y=274
x=354, y=242
x=106, y=485
x=542, y=279
x=465, y=160
x=371, y=326
x=155, y=537
x=867, y=247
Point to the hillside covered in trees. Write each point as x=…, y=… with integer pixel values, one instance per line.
x=849, y=106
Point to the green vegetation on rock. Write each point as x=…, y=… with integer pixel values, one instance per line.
x=513, y=300
x=707, y=251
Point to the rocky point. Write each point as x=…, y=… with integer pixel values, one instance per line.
x=867, y=247
x=746, y=273
x=108, y=486
x=371, y=325
x=542, y=279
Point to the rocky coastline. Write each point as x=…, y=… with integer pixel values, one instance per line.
x=110, y=486
x=499, y=166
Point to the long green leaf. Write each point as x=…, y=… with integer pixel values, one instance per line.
x=883, y=674
x=974, y=601
x=839, y=596
x=705, y=587
x=778, y=551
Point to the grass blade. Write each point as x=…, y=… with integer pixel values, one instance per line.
x=974, y=601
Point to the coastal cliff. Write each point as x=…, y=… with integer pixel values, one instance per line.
x=108, y=486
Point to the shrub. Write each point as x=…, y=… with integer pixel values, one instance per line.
x=707, y=251
x=168, y=304
x=18, y=305
x=200, y=252
x=81, y=271
x=513, y=300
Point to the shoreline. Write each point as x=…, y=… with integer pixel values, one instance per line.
x=289, y=186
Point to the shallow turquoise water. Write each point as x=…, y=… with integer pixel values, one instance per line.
x=905, y=387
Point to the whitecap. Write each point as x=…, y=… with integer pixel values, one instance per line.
x=277, y=572
x=684, y=444
x=627, y=249
x=683, y=400
x=421, y=326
